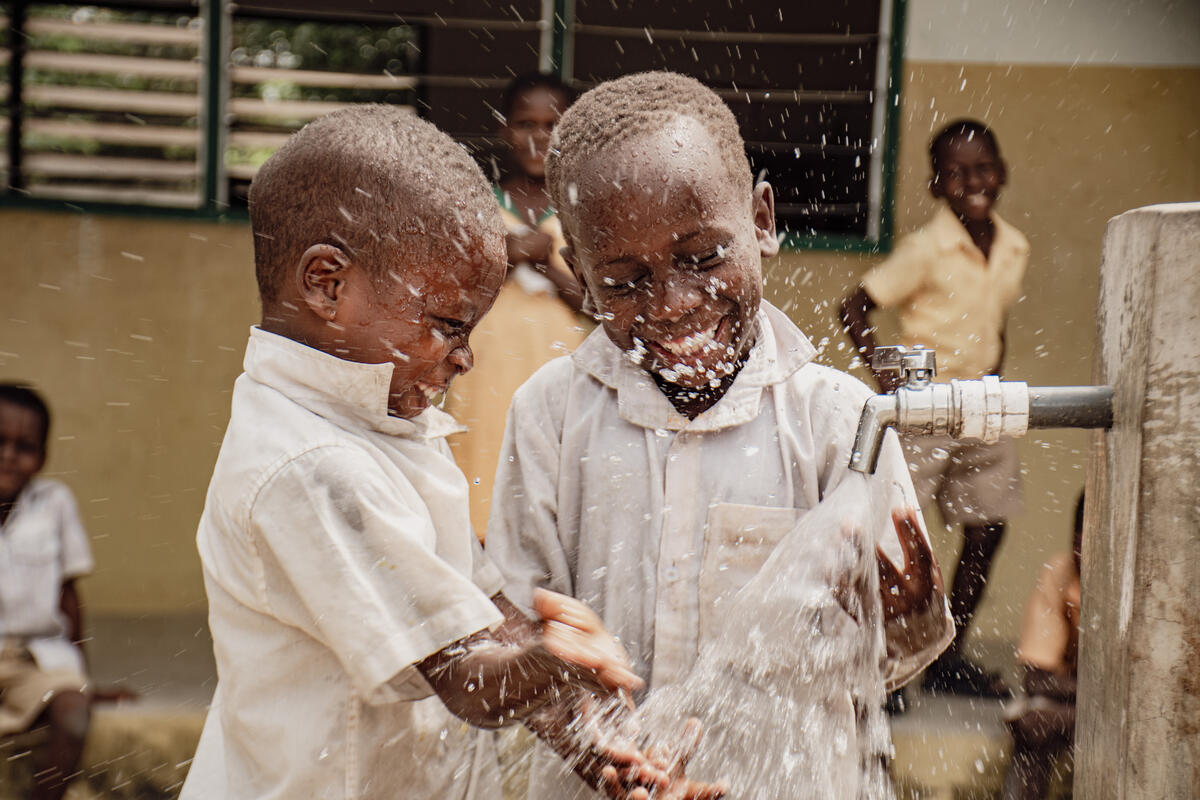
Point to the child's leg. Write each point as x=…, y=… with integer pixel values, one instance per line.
x=970, y=577
x=66, y=719
x=1039, y=738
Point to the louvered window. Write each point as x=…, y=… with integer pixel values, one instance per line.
x=170, y=104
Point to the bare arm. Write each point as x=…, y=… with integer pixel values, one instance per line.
x=68, y=603
x=853, y=313
x=535, y=247
x=492, y=678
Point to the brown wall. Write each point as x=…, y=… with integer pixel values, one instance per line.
x=139, y=420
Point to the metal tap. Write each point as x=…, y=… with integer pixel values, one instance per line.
x=987, y=409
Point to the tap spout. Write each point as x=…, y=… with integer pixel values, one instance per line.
x=879, y=413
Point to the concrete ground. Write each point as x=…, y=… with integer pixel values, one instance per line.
x=140, y=750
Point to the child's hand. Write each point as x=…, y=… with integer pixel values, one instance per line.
x=673, y=766
x=912, y=590
x=529, y=247
x=572, y=631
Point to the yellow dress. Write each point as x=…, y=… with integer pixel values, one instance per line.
x=527, y=326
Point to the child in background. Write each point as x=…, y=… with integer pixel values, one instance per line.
x=345, y=587
x=1043, y=720
x=952, y=283
x=654, y=470
x=533, y=319
x=43, y=550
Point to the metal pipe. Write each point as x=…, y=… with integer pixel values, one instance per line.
x=878, y=414
x=1070, y=406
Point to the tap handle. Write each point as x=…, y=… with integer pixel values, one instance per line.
x=916, y=365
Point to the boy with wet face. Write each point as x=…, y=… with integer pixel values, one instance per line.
x=952, y=283
x=43, y=551
x=652, y=473
x=344, y=584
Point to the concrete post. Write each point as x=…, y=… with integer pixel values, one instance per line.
x=1138, y=731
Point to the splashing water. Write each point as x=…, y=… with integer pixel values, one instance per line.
x=789, y=685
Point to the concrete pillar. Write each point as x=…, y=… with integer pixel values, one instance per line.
x=1138, y=731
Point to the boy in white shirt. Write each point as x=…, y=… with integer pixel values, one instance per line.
x=652, y=473
x=43, y=550
x=345, y=585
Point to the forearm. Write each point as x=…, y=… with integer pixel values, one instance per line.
x=566, y=286
x=854, y=313
x=496, y=677
x=72, y=611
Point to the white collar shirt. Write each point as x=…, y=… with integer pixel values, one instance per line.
x=337, y=554
x=42, y=545
x=605, y=492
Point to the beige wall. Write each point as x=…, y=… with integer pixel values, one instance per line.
x=134, y=330
x=1083, y=144
x=135, y=327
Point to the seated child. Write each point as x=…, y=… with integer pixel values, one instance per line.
x=1043, y=720
x=345, y=587
x=652, y=473
x=43, y=550
x=533, y=319
x=952, y=283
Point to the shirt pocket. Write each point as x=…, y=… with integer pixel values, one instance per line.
x=738, y=539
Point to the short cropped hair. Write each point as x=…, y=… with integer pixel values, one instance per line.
x=368, y=179
x=528, y=82
x=620, y=110
x=960, y=129
x=21, y=395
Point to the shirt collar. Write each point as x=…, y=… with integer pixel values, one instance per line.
x=951, y=234
x=779, y=351
x=347, y=393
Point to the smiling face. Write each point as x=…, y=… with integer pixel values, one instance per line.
x=22, y=448
x=417, y=318
x=670, y=251
x=527, y=130
x=969, y=175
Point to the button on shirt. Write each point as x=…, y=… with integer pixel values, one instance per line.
x=42, y=545
x=948, y=296
x=606, y=493
x=337, y=554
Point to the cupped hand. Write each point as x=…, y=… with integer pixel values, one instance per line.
x=913, y=589
x=673, y=765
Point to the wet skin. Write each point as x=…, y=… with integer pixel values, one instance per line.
x=418, y=317
x=670, y=250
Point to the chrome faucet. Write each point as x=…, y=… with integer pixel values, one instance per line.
x=987, y=409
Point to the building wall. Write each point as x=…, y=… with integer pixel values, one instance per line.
x=134, y=330
x=135, y=327
x=1096, y=105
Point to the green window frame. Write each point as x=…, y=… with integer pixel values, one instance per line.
x=555, y=36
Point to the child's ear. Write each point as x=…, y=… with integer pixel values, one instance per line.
x=935, y=186
x=587, y=306
x=763, y=202
x=321, y=277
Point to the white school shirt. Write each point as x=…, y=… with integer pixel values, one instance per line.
x=42, y=545
x=606, y=493
x=337, y=554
